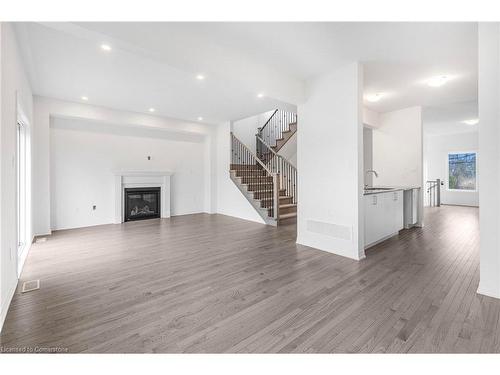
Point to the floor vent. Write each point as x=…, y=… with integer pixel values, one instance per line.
x=41, y=239
x=29, y=286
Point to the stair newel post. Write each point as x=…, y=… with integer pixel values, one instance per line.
x=276, y=193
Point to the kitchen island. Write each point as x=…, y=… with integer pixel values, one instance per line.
x=388, y=210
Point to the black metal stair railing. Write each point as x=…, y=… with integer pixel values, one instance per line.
x=277, y=164
x=278, y=123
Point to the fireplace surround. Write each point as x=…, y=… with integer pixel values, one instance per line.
x=142, y=203
x=141, y=179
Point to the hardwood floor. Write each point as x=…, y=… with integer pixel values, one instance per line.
x=212, y=283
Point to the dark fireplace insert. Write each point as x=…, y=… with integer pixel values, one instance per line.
x=142, y=203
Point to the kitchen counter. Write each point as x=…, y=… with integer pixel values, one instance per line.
x=388, y=189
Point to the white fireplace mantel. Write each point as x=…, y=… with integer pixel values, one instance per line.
x=130, y=179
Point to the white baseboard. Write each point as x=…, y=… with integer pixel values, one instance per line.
x=488, y=292
x=304, y=241
x=22, y=258
x=5, y=305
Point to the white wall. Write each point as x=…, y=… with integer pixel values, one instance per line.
x=398, y=150
x=489, y=157
x=436, y=152
x=45, y=108
x=371, y=118
x=83, y=156
x=330, y=163
x=230, y=201
x=289, y=150
x=15, y=94
x=368, y=155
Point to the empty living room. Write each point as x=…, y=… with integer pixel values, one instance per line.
x=232, y=183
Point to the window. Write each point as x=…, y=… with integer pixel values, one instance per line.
x=462, y=171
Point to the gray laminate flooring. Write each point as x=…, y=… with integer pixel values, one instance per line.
x=213, y=283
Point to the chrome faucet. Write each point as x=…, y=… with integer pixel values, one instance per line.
x=371, y=171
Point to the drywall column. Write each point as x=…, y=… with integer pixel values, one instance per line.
x=41, y=168
x=489, y=158
x=330, y=164
x=398, y=155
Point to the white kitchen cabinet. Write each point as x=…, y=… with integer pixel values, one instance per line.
x=383, y=215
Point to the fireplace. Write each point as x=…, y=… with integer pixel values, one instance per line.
x=142, y=203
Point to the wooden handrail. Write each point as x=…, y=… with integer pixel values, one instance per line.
x=268, y=120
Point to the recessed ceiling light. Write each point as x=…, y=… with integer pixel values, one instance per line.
x=472, y=121
x=375, y=97
x=437, y=81
x=85, y=98
x=200, y=77
x=200, y=118
x=105, y=47
x=152, y=109
x=260, y=95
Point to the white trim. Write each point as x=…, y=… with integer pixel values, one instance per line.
x=489, y=293
x=447, y=169
x=22, y=257
x=23, y=250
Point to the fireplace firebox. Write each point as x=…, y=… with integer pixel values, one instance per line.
x=142, y=203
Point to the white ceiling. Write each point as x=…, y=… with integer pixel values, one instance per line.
x=448, y=119
x=155, y=64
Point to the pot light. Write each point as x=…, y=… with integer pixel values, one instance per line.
x=200, y=118
x=472, y=121
x=437, y=81
x=105, y=47
x=200, y=77
x=375, y=97
x=151, y=110
x=85, y=98
x=260, y=95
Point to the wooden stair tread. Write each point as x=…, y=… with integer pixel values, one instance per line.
x=288, y=205
x=288, y=216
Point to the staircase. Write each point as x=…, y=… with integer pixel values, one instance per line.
x=278, y=129
x=266, y=179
